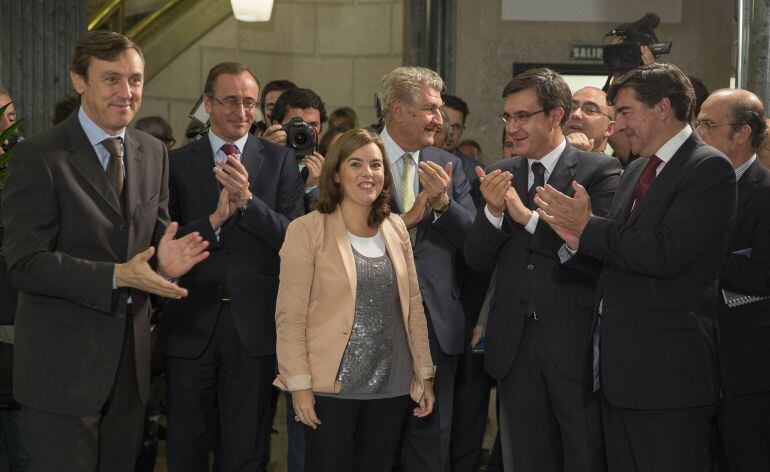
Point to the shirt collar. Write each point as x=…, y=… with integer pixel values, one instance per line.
x=549, y=160
x=94, y=132
x=667, y=151
x=394, y=151
x=217, y=142
x=744, y=167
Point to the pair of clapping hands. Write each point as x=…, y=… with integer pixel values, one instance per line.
x=177, y=256
x=567, y=216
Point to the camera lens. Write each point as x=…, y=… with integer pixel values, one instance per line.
x=300, y=138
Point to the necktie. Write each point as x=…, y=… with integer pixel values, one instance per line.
x=115, y=171
x=407, y=190
x=648, y=176
x=538, y=170
x=407, y=183
x=230, y=150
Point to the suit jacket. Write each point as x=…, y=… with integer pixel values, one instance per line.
x=745, y=330
x=659, y=283
x=529, y=273
x=64, y=233
x=437, y=247
x=245, y=256
x=317, y=296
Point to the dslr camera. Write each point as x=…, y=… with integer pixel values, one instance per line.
x=300, y=137
x=627, y=55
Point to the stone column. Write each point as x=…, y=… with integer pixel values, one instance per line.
x=429, y=37
x=758, y=70
x=37, y=38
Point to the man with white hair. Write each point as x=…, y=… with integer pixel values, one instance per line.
x=432, y=191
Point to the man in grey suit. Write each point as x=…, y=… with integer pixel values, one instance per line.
x=432, y=193
x=83, y=205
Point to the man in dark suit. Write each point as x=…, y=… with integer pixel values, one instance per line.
x=662, y=247
x=82, y=206
x=240, y=193
x=734, y=122
x=432, y=194
x=538, y=331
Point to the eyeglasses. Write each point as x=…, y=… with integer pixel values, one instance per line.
x=708, y=125
x=589, y=109
x=231, y=103
x=521, y=117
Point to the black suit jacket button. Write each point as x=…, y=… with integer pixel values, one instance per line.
x=530, y=267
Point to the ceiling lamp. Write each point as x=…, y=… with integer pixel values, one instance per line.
x=252, y=10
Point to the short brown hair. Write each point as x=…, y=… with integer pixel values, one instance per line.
x=103, y=45
x=330, y=193
x=230, y=68
x=749, y=111
x=552, y=91
x=654, y=82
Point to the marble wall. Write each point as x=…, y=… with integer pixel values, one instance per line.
x=487, y=47
x=339, y=48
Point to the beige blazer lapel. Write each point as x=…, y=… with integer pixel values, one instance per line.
x=346, y=253
x=396, y=252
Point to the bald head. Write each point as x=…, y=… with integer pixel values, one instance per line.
x=734, y=122
x=592, y=116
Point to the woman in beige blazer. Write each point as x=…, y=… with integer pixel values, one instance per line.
x=352, y=337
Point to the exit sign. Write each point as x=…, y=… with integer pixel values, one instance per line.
x=586, y=52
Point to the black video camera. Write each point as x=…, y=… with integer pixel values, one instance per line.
x=300, y=136
x=627, y=55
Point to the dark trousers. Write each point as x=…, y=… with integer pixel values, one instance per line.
x=744, y=422
x=471, y=408
x=425, y=444
x=354, y=435
x=675, y=440
x=107, y=441
x=548, y=422
x=241, y=385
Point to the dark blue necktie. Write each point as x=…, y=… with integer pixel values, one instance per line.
x=538, y=170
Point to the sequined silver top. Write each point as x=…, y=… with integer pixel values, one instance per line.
x=377, y=362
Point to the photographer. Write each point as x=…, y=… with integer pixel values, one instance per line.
x=308, y=107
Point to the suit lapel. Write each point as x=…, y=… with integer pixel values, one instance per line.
x=664, y=180
x=748, y=184
x=625, y=194
x=252, y=159
x=201, y=163
x=134, y=173
x=343, y=244
x=84, y=160
x=520, y=170
x=564, y=171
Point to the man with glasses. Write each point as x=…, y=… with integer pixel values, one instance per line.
x=734, y=122
x=239, y=192
x=592, y=120
x=539, y=325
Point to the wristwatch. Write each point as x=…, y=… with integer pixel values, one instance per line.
x=246, y=204
x=444, y=208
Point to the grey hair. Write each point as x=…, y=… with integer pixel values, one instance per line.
x=403, y=83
